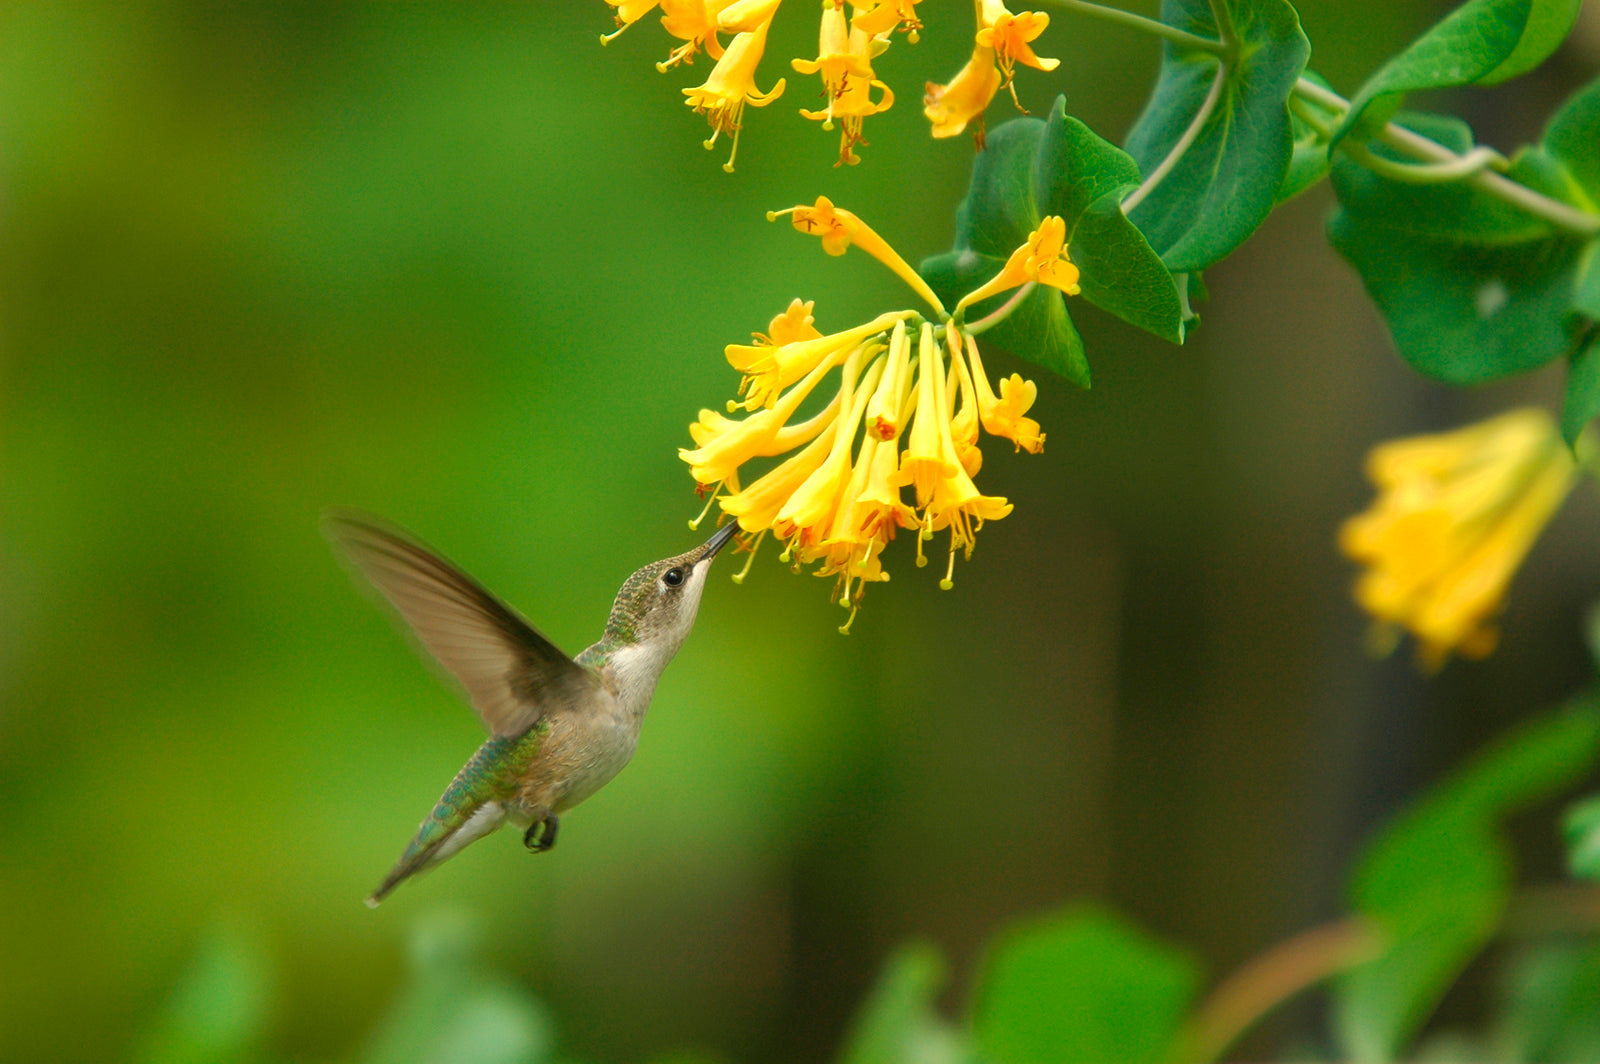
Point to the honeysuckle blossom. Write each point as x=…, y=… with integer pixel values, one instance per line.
x=694, y=22
x=731, y=86
x=885, y=16
x=844, y=62
x=627, y=13
x=1042, y=260
x=1011, y=36
x=839, y=229
x=894, y=449
x=1455, y=515
x=950, y=107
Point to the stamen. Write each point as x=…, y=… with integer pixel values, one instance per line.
x=738, y=577
x=694, y=525
x=844, y=629
x=949, y=572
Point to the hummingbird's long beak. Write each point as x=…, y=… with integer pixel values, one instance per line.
x=716, y=542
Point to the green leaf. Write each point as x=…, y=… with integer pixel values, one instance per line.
x=1309, y=162
x=1582, y=402
x=1480, y=43
x=1436, y=881
x=898, y=1023
x=1573, y=136
x=1031, y=169
x=1228, y=179
x=1549, y=1009
x=1471, y=288
x=1580, y=828
x=1082, y=985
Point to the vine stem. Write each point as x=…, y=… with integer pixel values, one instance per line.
x=1183, y=38
x=1201, y=117
x=1272, y=978
x=1419, y=147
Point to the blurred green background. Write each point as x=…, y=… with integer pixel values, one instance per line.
x=457, y=264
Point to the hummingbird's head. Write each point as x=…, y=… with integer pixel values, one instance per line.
x=657, y=605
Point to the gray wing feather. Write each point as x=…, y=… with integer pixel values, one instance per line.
x=513, y=675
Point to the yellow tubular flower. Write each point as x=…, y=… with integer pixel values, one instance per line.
x=695, y=23
x=1003, y=416
x=805, y=518
x=1041, y=259
x=881, y=18
x=768, y=370
x=731, y=86
x=927, y=460
x=795, y=323
x=747, y=16
x=952, y=106
x=839, y=229
x=628, y=12
x=720, y=457
x=844, y=60
x=1456, y=514
x=1010, y=35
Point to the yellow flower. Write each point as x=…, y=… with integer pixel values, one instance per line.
x=952, y=106
x=628, y=12
x=1010, y=36
x=1041, y=260
x=1455, y=515
x=844, y=60
x=897, y=422
x=839, y=229
x=1003, y=416
x=695, y=23
x=882, y=18
x=731, y=86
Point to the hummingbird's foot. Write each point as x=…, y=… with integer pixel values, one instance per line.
x=541, y=834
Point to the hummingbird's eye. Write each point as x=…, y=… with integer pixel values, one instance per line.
x=672, y=577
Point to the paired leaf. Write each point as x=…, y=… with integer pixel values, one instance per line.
x=1230, y=176
x=1029, y=170
x=1471, y=287
x=1437, y=880
x=1483, y=42
x=1082, y=985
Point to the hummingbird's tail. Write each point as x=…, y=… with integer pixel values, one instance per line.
x=469, y=809
x=438, y=839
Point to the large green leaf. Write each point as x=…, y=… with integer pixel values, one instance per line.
x=1580, y=828
x=1482, y=42
x=1549, y=1011
x=1472, y=288
x=1581, y=404
x=1082, y=986
x=1230, y=176
x=1031, y=169
x=1436, y=881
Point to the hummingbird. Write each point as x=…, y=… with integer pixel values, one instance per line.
x=560, y=728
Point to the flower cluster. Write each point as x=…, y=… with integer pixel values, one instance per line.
x=1455, y=515
x=895, y=448
x=853, y=34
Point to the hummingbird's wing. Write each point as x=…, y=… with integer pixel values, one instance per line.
x=513, y=675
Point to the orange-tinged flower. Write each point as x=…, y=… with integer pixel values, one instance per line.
x=804, y=519
x=1456, y=514
x=746, y=16
x=950, y=107
x=1010, y=36
x=929, y=456
x=730, y=87
x=839, y=229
